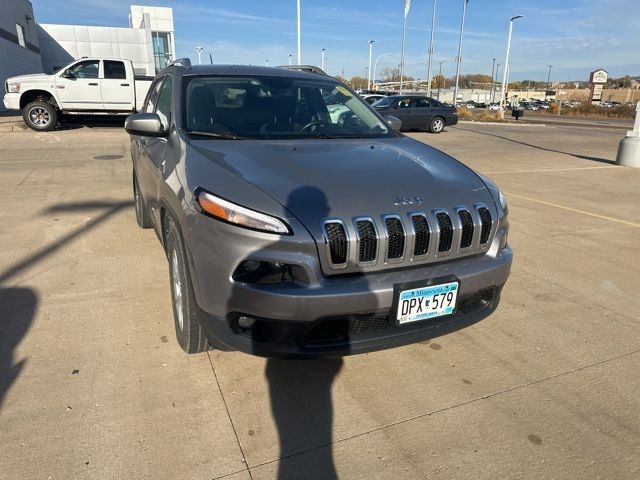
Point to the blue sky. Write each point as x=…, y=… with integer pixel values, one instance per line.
x=575, y=36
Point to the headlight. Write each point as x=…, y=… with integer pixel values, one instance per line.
x=244, y=217
x=13, y=87
x=495, y=192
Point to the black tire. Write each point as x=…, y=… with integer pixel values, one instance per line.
x=143, y=215
x=187, y=315
x=436, y=125
x=40, y=116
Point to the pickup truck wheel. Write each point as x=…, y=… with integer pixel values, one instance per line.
x=436, y=125
x=186, y=313
x=40, y=116
x=143, y=216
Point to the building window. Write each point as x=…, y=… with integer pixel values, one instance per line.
x=161, y=50
x=20, y=35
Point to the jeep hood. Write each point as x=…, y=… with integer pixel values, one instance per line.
x=324, y=178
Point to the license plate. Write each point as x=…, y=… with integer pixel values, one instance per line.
x=427, y=302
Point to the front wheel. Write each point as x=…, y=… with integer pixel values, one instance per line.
x=186, y=313
x=40, y=116
x=436, y=125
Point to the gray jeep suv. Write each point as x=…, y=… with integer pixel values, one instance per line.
x=297, y=222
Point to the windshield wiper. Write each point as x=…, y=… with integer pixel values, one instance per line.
x=223, y=136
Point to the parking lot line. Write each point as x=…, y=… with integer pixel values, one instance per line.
x=596, y=215
x=542, y=170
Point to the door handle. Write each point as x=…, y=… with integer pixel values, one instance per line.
x=93, y=84
x=124, y=84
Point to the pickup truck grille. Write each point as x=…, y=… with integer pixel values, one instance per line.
x=419, y=237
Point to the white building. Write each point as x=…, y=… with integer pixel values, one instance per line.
x=148, y=42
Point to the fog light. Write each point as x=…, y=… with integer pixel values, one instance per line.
x=250, y=266
x=254, y=271
x=246, y=322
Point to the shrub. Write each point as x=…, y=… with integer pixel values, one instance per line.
x=464, y=113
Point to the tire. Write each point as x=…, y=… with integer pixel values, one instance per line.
x=40, y=116
x=186, y=313
x=143, y=215
x=437, y=125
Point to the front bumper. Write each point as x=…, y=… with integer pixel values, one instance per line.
x=11, y=101
x=322, y=315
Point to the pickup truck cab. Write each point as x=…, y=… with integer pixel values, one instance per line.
x=89, y=86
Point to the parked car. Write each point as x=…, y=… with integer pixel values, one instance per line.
x=418, y=112
x=86, y=86
x=372, y=98
x=494, y=106
x=290, y=234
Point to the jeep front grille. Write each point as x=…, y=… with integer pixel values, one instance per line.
x=337, y=240
x=416, y=238
x=446, y=232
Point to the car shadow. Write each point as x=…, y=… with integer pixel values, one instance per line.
x=74, y=122
x=18, y=306
x=538, y=147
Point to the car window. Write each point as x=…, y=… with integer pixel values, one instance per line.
x=163, y=108
x=269, y=107
x=404, y=103
x=86, y=69
x=384, y=102
x=152, y=96
x=421, y=102
x=114, y=69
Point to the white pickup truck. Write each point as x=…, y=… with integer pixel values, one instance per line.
x=89, y=86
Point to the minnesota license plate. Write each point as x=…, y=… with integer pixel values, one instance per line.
x=427, y=302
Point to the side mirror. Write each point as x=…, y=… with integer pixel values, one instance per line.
x=144, y=124
x=69, y=75
x=394, y=122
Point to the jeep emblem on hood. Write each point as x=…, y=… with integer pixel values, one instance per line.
x=407, y=200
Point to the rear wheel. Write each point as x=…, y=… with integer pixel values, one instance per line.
x=436, y=125
x=143, y=216
x=40, y=116
x=186, y=313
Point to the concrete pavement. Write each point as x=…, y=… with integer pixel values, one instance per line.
x=94, y=385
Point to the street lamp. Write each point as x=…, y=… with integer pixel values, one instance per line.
x=433, y=27
x=459, y=59
x=375, y=67
x=441, y=77
x=506, y=59
x=371, y=42
x=299, y=41
x=290, y=59
x=266, y=62
x=493, y=91
x=199, y=51
x=322, y=50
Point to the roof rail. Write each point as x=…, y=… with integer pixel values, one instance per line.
x=182, y=62
x=305, y=68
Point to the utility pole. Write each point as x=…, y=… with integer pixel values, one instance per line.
x=290, y=59
x=433, y=27
x=459, y=59
x=322, y=50
x=548, y=82
x=493, y=91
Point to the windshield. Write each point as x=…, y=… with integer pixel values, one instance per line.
x=264, y=107
x=384, y=102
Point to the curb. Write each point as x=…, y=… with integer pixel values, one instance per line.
x=519, y=124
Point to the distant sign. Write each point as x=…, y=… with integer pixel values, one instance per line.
x=597, y=79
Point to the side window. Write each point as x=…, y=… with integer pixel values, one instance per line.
x=163, y=107
x=421, y=103
x=404, y=103
x=114, y=70
x=87, y=69
x=20, y=32
x=152, y=96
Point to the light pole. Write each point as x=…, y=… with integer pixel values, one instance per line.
x=371, y=42
x=459, y=59
x=266, y=62
x=407, y=6
x=375, y=67
x=493, y=92
x=322, y=50
x=493, y=69
x=506, y=59
x=199, y=51
x=548, y=82
x=299, y=42
x=441, y=77
x=433, y=27
x=290, y=59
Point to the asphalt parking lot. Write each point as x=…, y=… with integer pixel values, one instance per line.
x=94, y=385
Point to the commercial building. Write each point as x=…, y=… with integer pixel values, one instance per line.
x=19, y=45
x=148, y=42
